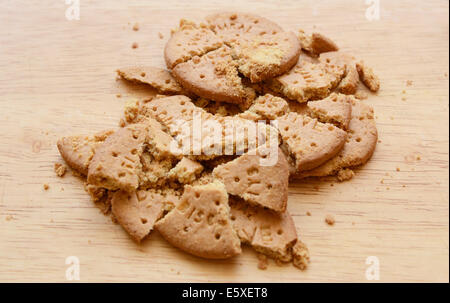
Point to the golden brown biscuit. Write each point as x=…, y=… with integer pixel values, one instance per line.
x=116, y=163
x=335, y=109
x=316, y=43
x=214, y=76
x=256, y=182
x=359, y=147
x=137, y=212
x=78, y=151
x=268, y=232
x=368, y=77
x=308, y=141
x=200, y=224
x=186, y=171
x=158, y=78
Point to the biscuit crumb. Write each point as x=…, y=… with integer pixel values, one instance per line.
x=136, y=27
x=353, y=223
x=418, y=158
x=403, y=98
x=161, y=36
x=60, y=169
x=118, y=95
x=397, y=169
x=9, y=218
x=46, y=186
x=382, y=181
x=134, y=45
x=308, y=213
x=329, y=219
x=345, y=175
x=263, y=262
x=409, y=82
x=300, y=254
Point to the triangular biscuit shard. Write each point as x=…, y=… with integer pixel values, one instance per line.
x=200, y=224
x=308, y=141
x=270, y=233
x=158, y=78
x=257, y=183
x=116, y=163
x=137, y=212
x=335, y=109
x=78, y=151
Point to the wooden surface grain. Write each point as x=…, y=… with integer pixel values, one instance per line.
x=57, y=78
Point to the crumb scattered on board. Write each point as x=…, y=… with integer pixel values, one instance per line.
x=308, y=213
x=60, y=169
x=46, y=186
x=161, y=36
x=409, y=82
x=263, y=262
x=136, y=27
x=345, y=175
x=134, y=45
x=329, y=219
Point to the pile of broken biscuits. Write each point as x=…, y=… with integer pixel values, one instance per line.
x=246, y=74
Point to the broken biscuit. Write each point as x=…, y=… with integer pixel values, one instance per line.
x=200, y=224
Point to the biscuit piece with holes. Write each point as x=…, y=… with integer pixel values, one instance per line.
x=214, y=76
x=308, y=141
x=268, y=232
x=368, y=77
x=188, y=41
x=316, y=43
x=137, y=212
x=359, y=147
x=308, y=81
x=349, y=82
x=267, y=56
x=234, y=28
x=335, y=109
x=78, y=151
x=158, y=78
x=257, y=179
x=269, y=107
x=200, y=224
x=186, y=171
x=116, y=163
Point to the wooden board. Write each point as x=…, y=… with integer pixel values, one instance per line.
x=57, y=78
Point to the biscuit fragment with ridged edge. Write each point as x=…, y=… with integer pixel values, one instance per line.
x=368, y=77
x=116, y=163
x=268, y=232
x=267, y=107
x=78, y=151
x=359, y=147
x=214, y=76
x=189, y=40
x=267, y=56
x=308, y=142
x=257, y=182
x=308, y=80
x=335, y=109
x=138, y=211
x=201, y=224
x=350, y=80
x=214, y=135
x=316, y=43
x=158, y=78
x=186, y=171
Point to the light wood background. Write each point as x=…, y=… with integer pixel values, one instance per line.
x=57, y=78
